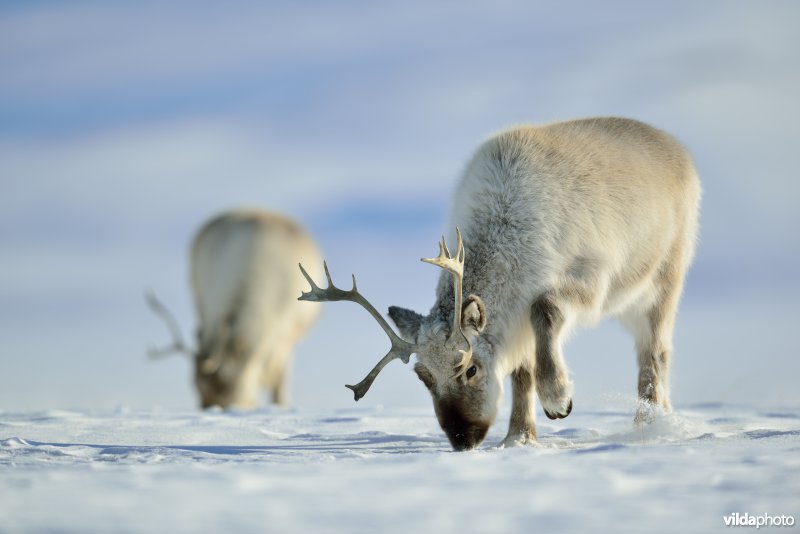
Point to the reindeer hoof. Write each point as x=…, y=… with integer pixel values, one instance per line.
x=556, y=415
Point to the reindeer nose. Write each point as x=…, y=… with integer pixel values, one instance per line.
x=460, y=443
x=470, y=438
x=464, y=434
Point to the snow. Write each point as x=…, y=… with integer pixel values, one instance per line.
x=371, y=469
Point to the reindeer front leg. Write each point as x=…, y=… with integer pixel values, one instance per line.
x=522, y=425
x=552, y=381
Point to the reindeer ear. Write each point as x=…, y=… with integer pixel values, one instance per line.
x=407, y=321
x=473, y=314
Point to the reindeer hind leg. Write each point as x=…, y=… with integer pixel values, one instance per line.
x=652, y=327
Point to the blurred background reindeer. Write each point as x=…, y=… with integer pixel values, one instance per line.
x=245, y=284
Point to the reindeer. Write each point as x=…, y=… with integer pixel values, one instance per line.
x=562, y=225
x=244, y=283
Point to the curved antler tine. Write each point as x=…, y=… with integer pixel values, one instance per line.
x=327, y=274
x=178, y=345
x=307, y=277
x=155, y=353
x=462, y=367
x=460, y=255
x=360, y=389
x=446, y=250
x=466, y=356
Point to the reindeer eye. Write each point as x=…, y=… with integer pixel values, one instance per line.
x=471, y=371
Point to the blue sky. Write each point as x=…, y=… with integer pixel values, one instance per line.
x=124, y=126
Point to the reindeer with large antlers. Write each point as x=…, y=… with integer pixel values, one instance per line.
x=563, y=224
x=244, y=281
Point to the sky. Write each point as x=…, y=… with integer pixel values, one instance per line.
x=123, y=127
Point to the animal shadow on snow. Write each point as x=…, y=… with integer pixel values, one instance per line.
x=355, y=445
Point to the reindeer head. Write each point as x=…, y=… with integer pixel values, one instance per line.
x=453, y=361
x=462, y=382
x=223, y=376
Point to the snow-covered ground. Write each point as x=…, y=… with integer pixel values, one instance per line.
x=392, y=470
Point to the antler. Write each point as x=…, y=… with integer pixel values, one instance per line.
x=401, y=348
x=455, y=265
x=177, y=340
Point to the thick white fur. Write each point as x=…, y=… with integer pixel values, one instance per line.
x=564, y=224
x=245, y=282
